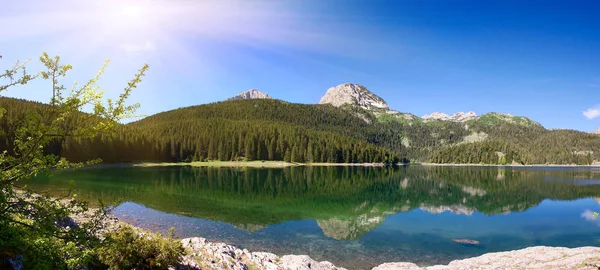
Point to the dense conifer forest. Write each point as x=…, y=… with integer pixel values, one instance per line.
x=221, y=132
x=278, y=130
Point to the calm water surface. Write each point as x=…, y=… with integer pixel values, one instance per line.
x=354, y=217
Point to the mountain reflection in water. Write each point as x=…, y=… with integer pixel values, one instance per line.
x=352, y=216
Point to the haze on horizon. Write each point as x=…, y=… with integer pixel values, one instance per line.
x=538, y=59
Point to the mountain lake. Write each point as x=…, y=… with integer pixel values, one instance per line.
x=355, y=217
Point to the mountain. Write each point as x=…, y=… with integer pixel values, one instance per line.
x=498, y=118
x=351, y=124
x=597, y=131
x=353, y=94
x=489, y=118
x=251, y=94
x=363, y=104
x=456, y=117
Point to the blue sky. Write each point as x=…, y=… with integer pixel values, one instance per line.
x=539, y=59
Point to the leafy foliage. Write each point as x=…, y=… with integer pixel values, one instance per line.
x=128, y=248
x=41, y=228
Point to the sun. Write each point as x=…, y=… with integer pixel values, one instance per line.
x=130, y=11
x=128, y=14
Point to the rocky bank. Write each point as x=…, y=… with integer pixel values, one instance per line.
x=203, y=254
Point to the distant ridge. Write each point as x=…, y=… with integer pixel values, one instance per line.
x=456, y=117
x=251, y=94
x=597, y=131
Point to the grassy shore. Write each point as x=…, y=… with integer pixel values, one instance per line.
x=507, y=165
x=283, y=164
x=253, y=164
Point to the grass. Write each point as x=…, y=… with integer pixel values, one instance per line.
x=255, y=164
x=252, y=164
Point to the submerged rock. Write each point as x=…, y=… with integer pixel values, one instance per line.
x=466, y=242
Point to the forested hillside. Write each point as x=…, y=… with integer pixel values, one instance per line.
x=268, y=129
x=231, y=130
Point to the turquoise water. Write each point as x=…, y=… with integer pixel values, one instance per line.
x=354, y=217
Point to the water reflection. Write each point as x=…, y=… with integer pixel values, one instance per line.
x=353, y=215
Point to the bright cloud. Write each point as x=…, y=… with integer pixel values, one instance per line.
x=590, y=216
x=170, y=27
x=592, y=113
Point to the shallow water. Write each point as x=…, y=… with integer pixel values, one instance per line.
x=353, y=216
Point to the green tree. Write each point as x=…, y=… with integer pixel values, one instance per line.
x=27, y=218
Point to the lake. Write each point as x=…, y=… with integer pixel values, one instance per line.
x=355, y=217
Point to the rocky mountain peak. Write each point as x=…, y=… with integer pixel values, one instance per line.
x=353, y=94
x=597, y=131
x=456, y=117
x=251, y=94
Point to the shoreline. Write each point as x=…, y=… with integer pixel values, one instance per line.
x=594, y=165
x=283, y=164
x=240, y=164
x=205, y=254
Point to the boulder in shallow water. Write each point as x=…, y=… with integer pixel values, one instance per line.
x=469, y=242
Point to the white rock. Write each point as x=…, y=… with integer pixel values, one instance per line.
x=456, y=117
x=353, y=94
x=397, y=266
x=251, y=94
x=528, y=258
x=303, y=262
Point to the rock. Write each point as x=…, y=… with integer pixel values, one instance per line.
x=222, y=256
x=466, y=242
x=531, y=258
x=194, y=243
x=303, y=262
x=397, y=266
x=597, y=131
x=251, y=94
x=353, y=94
x=66, y=223
x=456, y=117
x=528, y=258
